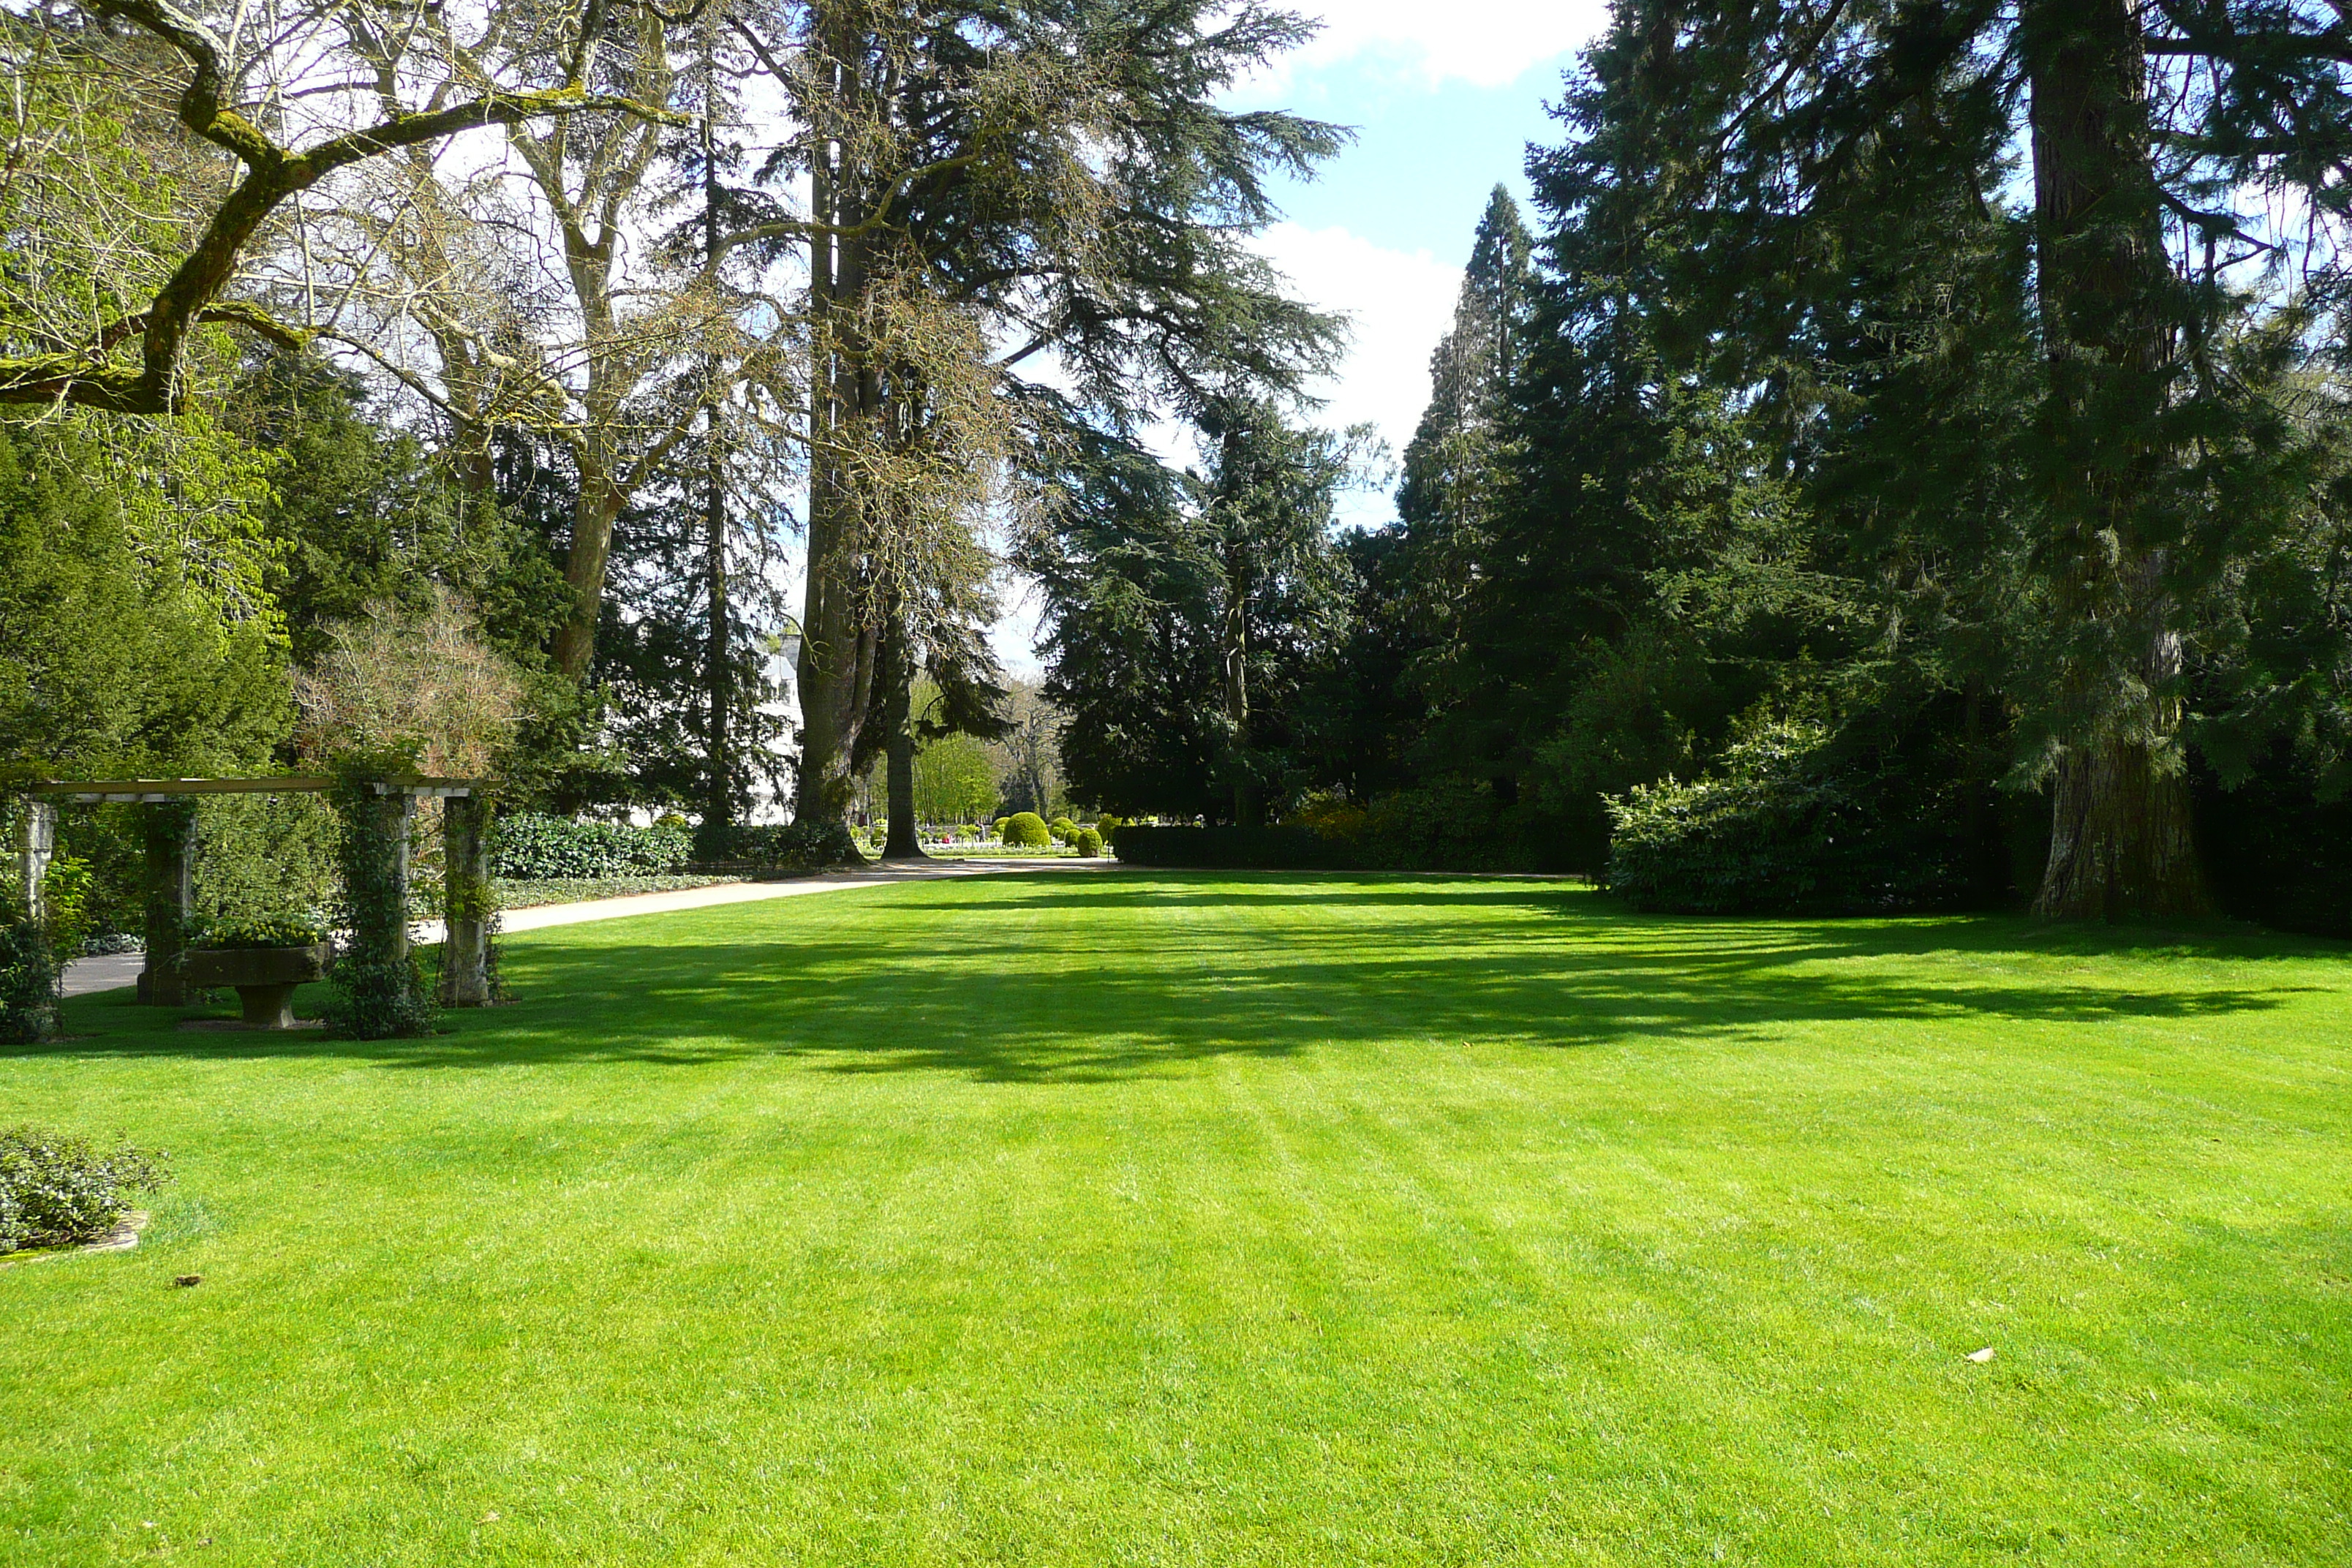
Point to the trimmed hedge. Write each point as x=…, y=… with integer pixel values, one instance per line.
x=532, y=848
x=1231, y=849
x=798, y=846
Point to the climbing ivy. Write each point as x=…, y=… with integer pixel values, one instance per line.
x=380, y=989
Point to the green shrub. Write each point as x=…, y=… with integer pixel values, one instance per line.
x=1062, y=829
x=65, y=905
x=294, y=930
x=532, y=847
x=1089, y=843
x=1785, y=825
x=28, y=984
x=1025, y=830
x=57, y=1191
x=800, y=846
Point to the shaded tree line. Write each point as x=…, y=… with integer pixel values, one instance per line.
x=1900, y=463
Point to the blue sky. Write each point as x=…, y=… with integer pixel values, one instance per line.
x=1444, y=96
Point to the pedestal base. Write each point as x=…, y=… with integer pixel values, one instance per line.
x=267, y=1006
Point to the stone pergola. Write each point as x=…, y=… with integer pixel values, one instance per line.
x=171, y=843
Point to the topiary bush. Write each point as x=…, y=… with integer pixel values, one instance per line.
x=1027, y=830
x=28, y=984
x=1784, y=825
x=532, y=847
x=57, y=1190
x=1088, y=842
x=1062, y=828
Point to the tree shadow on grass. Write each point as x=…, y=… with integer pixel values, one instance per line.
x=964, y=991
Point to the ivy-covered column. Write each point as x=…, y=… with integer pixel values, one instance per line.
x=468, y=976
x=381, y=995
x=171, y=887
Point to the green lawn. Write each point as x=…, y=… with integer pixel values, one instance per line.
x=1196, y=1219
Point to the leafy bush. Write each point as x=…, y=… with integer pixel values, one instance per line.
x=28, y=984
x=532, y=847
x=800, y=846
x=1231, y=849
x=1331, y=818
x=1784, y=825
x=1062, y=829
x=1025, y=830
x=65, y=905
x=57, y=1191
x=262, y=930
x=1088, y=842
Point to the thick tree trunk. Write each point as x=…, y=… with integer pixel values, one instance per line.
x=906, y=843
x=718, y=804
x=836, y=667
x=2121, y=843
x=583, y=569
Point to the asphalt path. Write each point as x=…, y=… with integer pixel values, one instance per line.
x=116, y=969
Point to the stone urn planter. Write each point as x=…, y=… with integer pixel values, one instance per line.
x=265, y=978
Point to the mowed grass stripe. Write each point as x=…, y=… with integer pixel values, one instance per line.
x=1191, y=1218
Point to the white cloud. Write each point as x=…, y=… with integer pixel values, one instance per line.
x=1484, y=42
x=1400, y=303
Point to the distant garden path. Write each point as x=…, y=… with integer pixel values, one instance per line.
x=116, y=971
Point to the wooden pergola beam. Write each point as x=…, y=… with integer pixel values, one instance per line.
x=102, y=792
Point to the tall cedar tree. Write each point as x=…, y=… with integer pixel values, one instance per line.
x=1090, y=215
x=1835, y=242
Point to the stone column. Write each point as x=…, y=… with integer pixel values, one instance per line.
x=467, y=905
x=38, y=847
x=171, y=899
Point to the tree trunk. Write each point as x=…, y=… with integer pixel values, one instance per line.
x=906, y=843
x=584, y=568
x=836, y=667
x=2121, y=843
x=718, y=804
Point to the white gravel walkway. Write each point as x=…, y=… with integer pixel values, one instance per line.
x=115, y=971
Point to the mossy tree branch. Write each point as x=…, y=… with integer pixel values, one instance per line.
x=154, y=383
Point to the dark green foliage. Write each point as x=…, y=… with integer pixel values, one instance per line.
x=797, y=846
x=1187, y=612
x=2279, y=850
x=56, y=1190
x=29, y=983
x=1781, y=828
x=1088, y=842
x=1231, y=849
x=1027, y=830
x=122, y=655
x=288, y=929
x=381, y=992
x=364, y=515
x=534, y=848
